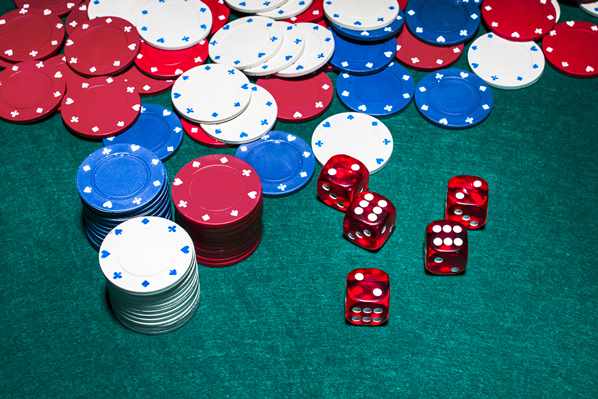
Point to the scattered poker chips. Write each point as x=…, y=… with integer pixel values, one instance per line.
x=143, y=83
x=313, y=13
x=362, y=58
x=196, y=132
x=421, y=55
x=164, y=64
x=519, y=20
x=572, y=48
x=283, y=161
x=372, y=35
x=151, y=274
x=361, y=15
x=289, y=9
x=454, y=98
x=57, y=7
x=319, y=48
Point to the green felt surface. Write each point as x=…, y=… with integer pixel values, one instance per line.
x=520, y=324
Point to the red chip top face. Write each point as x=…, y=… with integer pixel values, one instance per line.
x=519, y=20
x=420, y=55
x=220, y=13
x=196, y=132
x=77, y=18
x=216, y=190
x=58, y=7
x=143, y=83
x=170, y=63
x=572, y=48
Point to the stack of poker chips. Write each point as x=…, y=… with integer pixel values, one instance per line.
x=151, y=273
x=119, y=182
x=218, y=199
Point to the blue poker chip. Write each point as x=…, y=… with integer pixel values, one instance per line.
x=383, y=93
x=283, y=161
x=158, y=129
x=360, y=57
x=443, y=22
x=391, y=30
x=454, y=98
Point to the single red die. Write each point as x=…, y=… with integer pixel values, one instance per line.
x=341, y=179
x=367, y=297
x=445, y=248
x=370, y=220
x=467, y=201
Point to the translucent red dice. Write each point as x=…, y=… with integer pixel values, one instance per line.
x=445, y=248
x=367, y=297
x=467, y=201
x=370, y=220
x=341, y=179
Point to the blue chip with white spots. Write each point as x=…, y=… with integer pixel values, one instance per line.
x=360, y=57
x=387, y=32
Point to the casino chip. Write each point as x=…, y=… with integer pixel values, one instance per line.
x=361, y=58
x=57, y=7
x=127, y=10
x=300, y=99
x=5, y=64
x=76, y=18
x=165, y=64
x=144, y=84
x=454, y=98
x=258, y=119
x=393, y=91
x=557, y=9
x=158, y=129
x=314, y=13
x=519, y=20
x=361, y=15
x=254, y=6
x=443, y=22
x=318, y=50
x=506, y=64
x=195, y=131
x=193, y=93
x=372, y=35
x=283, y=161
x=291, y=8
x=220, y=13
x=358, y=135
x=590, y=8
x=421, y=55
x=29, y=33
x=107, y=45
x=572, y=48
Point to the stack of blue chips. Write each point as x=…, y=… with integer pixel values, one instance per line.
x=119, y=182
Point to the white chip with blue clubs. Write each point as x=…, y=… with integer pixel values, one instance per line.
x=319, y=48
x=291, y=49
x=254, y=6
x=290, y=9
x=361, y=14
x=114, y=8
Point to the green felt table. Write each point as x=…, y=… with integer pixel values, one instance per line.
x=520, y=324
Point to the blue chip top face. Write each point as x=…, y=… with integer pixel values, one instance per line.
x=360, y=57
x=454, y=98
x=384, y=93
x=158, y=129
x=391, y=30
x=120, y=178
x=443, y=22
x=283, y=161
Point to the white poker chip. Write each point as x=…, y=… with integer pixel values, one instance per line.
x=557, y=9
x=361, y=14
x=174, y=24
x=291, y=49
x=257, y=120
x=114, y=8
x=246, y=42
x=290, y=9
x=506, y=64
x=254, y=6
x=211, y=93
x=590, y=8
x=319, y=48
x=355, y=134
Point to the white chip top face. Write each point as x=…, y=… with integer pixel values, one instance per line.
x=173, y=24
x=590, y=8
x=115, y=8
x=291, y=49
x=319, y=47
x=211, y=93
x=359, y=135
x=291, y=8
x=246, y=42
x=254, y=6
x=361, y=14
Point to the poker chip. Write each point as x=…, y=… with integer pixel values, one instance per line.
x=165, y=64
x=421, y=55
x=30, y=90
x=372, y=35
x=443, y=22
x=283, y=161
x=254, y=6
x=57, y=7
x=504, y=63
x=100, y=107
x=313, y=13
x=300, y=99
x=107, y=45
x=77, y=17
x=454, y=98
x=29, y=33
x=358, y=135
x=361, y=15
x=175, y=24
x=193, y=93
x=289, y=9
x=196, y=132
x=220, y=13
x=557, y=9
x=5, y=64
x=158, y=129
x=127, y=10
x=318, y=50
x=144, y=84
x=572, y=48
x=519, y=20
x=590, y=8
x=394, y=91
x=361, y=58
x=246, y=42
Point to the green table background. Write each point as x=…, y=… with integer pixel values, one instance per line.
x=520, y=324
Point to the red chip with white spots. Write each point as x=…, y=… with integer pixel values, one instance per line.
x=164, y=64
x=519, y=20
x=107, y=45
x=572, y=48
x=144, y=84
x=314, y=13
x=29, y=34
x=300, y=99
x=58, y=7
x=195, y=131
x=100, y=107
x=30, y=90
x=420, y=55
x=220, y=13
x=77, y=18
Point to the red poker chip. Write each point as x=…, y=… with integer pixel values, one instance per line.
x=420, y=55
x=314, y=13
x=29, y=34
x=220, y=13
x=519, y=20
x=5, y=64
x=144, y=84
x=196, y=132
x=572, y=48
x=58, y=7
x=107, y=45
x=100, y=107
x=30, y=90
x=403, y=4
x=71, y=78
x=170, y=63
x=227, y=261
x=77, y=18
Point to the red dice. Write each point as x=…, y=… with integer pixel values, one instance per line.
x=370, y=220
x=367, y=298
x=467, y=201
x=341, y=179
x=445, y=248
